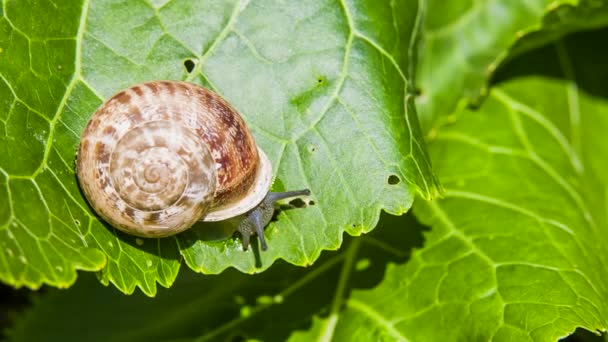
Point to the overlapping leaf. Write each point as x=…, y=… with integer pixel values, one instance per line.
x=517, y=249
x=465, y=42
x=321, y=83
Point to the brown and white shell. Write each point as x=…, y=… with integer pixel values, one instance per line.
x=159, y=156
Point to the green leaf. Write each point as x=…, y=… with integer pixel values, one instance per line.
x=227, y=307
x=563, y=20
x=517, y=248
x=465, y=42
x=322, y=84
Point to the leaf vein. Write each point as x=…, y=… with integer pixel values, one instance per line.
x=377, y=317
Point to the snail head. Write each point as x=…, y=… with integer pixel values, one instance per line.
x=255, y=220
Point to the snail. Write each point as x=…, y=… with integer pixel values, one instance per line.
x=159, y=156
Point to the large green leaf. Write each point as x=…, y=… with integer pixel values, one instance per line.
x=267, y=307
x=517, y=248
x=322, y=84
x=466, y=41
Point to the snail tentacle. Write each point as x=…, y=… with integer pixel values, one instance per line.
x=258, y=218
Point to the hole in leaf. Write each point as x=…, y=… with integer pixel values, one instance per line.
x=394, y=180
x=312, y=148
x=189, y=65
x=311, y=202
x=298, y=203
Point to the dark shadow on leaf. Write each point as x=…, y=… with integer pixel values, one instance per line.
x=589, y=61
x=582, y=335
x=267, y=306
x=12, y=303
x=221, y=233
x=214, y=231
x=392, y=241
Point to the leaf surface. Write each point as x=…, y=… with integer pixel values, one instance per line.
x=517, y=248
x=322, y=85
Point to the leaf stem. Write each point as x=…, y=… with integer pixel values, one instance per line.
x=212, y=335
x=336, y=305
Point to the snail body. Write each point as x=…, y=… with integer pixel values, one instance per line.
x=159, y=156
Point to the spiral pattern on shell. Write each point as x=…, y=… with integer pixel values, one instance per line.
x=158, y=156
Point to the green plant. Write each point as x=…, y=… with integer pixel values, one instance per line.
x=514, y=203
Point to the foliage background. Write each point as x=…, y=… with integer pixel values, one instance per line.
x=511, y=105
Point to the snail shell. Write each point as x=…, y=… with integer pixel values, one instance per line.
x=159, y=156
